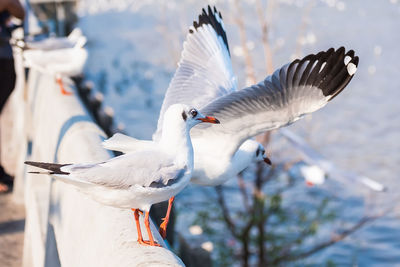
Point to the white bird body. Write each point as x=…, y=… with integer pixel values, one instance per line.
x=65, y=62
x=125, y=187
x=142, y=177
x=211, y=169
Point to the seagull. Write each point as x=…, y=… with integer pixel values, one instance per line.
x=142, y=178
x=205, y=79
x=312, y=174
x=58, y=62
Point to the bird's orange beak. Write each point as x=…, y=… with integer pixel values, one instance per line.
x=209, y=119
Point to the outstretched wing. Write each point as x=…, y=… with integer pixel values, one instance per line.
x=205, y=69
x=294, y=90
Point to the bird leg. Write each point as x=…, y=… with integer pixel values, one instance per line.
x=140, y=238
x=163, y=227
x=60, y=83
x=147, y=224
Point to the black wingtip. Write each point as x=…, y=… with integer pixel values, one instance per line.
x=327, y=70
x=211, y=19
x=355, y=61
x=350, y=53
x=54, y=168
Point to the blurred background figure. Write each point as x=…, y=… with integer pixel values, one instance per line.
x=8, y=9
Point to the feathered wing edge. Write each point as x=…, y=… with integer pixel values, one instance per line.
x=205, y=70
x=213, y=18
x=298, y=88
x=330, y=71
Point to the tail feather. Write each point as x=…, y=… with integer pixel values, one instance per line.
x=53, y=168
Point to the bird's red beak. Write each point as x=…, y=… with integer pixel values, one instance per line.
x=268, y=161
x=209, y=119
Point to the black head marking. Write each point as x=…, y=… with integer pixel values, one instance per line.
x=184, y=116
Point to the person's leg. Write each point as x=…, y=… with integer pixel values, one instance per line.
x=7, y=80
x=7, y=84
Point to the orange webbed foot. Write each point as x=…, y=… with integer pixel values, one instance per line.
x=61, y=84
x=163, y=229
x=148, y=243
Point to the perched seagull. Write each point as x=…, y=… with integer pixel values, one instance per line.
x=142, y=178
x=204, y=78
x=63, y=62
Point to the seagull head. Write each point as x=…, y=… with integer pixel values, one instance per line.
x=185, y=115
x=256, y=151
x=260, y=155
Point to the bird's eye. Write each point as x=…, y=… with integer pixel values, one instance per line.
x=193, y=112
x=257, y=152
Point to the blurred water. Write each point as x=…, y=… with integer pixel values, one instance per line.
x=359, y=130
x=137, y=44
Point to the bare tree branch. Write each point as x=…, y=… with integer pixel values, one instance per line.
x=171, y=37
x=259, y=204
x=244, y=234
x=245, y=238
x=243, y=191
x=303, y=26
x=225, y=213
x=264, y=36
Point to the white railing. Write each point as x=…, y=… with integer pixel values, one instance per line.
x=63, y=226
